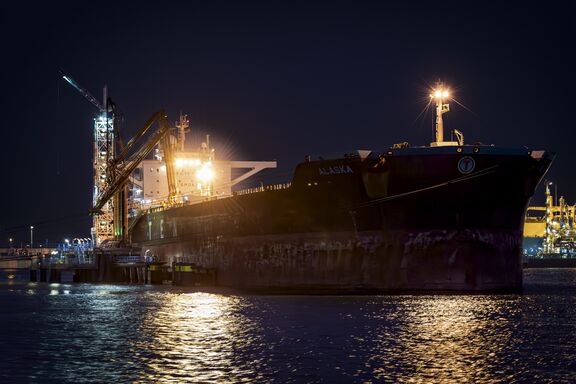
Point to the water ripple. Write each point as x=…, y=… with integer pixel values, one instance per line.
x=142, y=334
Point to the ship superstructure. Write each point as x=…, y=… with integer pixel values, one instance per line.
x=198, y=174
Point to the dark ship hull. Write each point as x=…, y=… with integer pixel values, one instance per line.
x=425, y=218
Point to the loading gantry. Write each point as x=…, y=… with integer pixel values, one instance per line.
x=123, y=165
x=103, y=151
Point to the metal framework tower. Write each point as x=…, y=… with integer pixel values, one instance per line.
x=103, y=221
x=103, y=228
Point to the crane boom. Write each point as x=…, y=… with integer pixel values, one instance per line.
x=83, y=92
x=170, y=173
x=125, y=167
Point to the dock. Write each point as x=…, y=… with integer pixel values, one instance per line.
x=99, y=265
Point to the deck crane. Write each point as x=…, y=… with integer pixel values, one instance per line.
x=105, y=130
x=128, y=159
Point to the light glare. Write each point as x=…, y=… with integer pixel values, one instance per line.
x=205, y=174
x=440, y=94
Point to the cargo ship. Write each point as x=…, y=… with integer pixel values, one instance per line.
x=442, y=217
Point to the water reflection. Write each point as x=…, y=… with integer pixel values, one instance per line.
x=142, y=334
x=197, y=337
x=445, y=339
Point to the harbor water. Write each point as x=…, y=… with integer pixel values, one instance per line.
x=82, y=333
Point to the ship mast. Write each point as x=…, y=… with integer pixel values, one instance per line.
x=441, y=93
x=183, y=127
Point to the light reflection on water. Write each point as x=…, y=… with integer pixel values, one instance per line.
x=445, y=339
x=195, y=336
x=115, y=333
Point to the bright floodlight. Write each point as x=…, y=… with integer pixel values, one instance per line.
x=440, y=94
x=205, y=174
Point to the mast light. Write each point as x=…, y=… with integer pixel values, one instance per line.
x=440, y=94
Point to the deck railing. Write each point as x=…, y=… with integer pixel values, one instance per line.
x=161, y=205
x=273, y=187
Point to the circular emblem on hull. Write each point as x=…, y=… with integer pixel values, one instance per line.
x=466, y=164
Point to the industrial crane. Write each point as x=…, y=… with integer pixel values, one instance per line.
x=111, y=172
x=108, y=107
x=105, y=130
x=121, y=167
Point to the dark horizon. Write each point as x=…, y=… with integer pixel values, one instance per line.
x=273, y=82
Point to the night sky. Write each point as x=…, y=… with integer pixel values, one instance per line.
x=272, y=80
